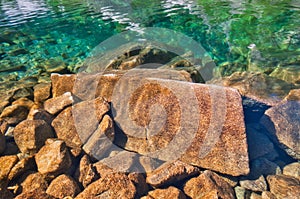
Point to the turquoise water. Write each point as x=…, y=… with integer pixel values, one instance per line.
x=37, y=33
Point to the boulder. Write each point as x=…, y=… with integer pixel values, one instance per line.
x=53, y=158
x=284, y=186
x=208, y=185
x=30, y=135
x=63, y=186
x=292, y=169
x=196, y=123
x=283, y=125
x=6, y=164
x=37, y=113
x=170, y=192
x=62, y=84
x=14, y=114
x=114, y=185
x=171, y=173
x=139, y=182
x=42, y=92
x=23, y=102
x=34, y=181
x=56, y=104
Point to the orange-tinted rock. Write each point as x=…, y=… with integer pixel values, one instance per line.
x=21, y=167
x=284, y=186
x=86, y=172
x=62, y=84
x=170, y=192
x=100, y=141
x=42, y=92
x=139, y=182
x=6, y=164
x=258, y=185
x=53, y=158
x=14, y=114
x=65, y=128
x=63, y=186
x=283, y=124
x=24, y=102
x=113, y=186
x=34, y=194
x=258, y=86
x=56, y=104
x=294, y=95
x=292, y=169
x=267, y=195
x=170, y=173
x=34, y=181
x=200, y=124
x=30, y=135
x=208, y=185
x=37, y=113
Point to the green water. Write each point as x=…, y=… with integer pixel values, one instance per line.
x=34, y=33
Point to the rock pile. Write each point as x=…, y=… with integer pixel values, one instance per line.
x=121, y=135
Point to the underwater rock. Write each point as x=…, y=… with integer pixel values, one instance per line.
x=284, y=186
x=170, y=192
x=208, y=185
x=63, y=186
x=290, y=74
x=42, y=92
x=54, y=65
x=283, y=124
x=114, y=185
x=258, y=86
x=30, y=135
x=14, y=114
x=18, y=51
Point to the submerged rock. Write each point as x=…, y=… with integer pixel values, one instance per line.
x=289, y=74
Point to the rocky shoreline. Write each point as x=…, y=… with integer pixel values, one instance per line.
x=62, y=139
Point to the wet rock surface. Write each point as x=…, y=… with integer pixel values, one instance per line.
x=91, y=154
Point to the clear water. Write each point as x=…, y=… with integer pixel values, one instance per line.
x=32, y=32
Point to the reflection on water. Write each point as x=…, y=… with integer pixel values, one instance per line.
x=68, y=30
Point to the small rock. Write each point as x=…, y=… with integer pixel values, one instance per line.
x=86, y=172
x=62, y=84
x=87, y=115
x=21, y=167
x=37, y=113
x=259, y=184
x=30, y=135
x=34, y=181
x=170, y=192
x=53, y=158
x=2, y=143
x=65, y=128
x=284, y=187
x=283, y=124
x=255, y=196
x=289, y=73
x=267, y=195
x=11, y=149
x=23, y=92
x=170, y=173
x=114, y=185
x=241, y=193
x=263, y=166
x=208, y=184
x=100, y=141
x=54, y=65
x=139, y=181
x=42, y=92
x=102, y=169
x=56, y=104
x=3, y=126
x=18, y=51
x=14, y=114
x=6, y=164
x=63, y=186
x=34, y=194
x=149, y=164
x=24, y=102
x=294, y=95
x=292, y=169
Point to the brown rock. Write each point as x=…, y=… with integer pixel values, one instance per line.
x=263, y=166
x=208, y=184
x=37, y=113
x=23, y=92
x=255, y=196
x=284, y=186
x=21, y=167
x=170, y=192
x=294, y=95
x=170, y=173
x=3, y=126
x=100, y=142
x=292, y=169
x=102, y=169
x=56, y=104
x=139, y=182
x=65, y=128
x=63, y=186
x=258, y=86
x=6, y=164
x=11, y=149
x=34, y=194
x=168, y=120
x=62, y=84
x=283, y=124
x=53, y=158
x=24, y=102
x=42, y=92
x=267, y=195
x=113, y=186
x=30, y=135
x=259, y=184
x=289, y=73
x=87, y=115
x=2, y=143
x=14, y=114
x=86, y=172
x=34, y=181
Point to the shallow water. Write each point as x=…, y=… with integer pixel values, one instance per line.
x=36, y=33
